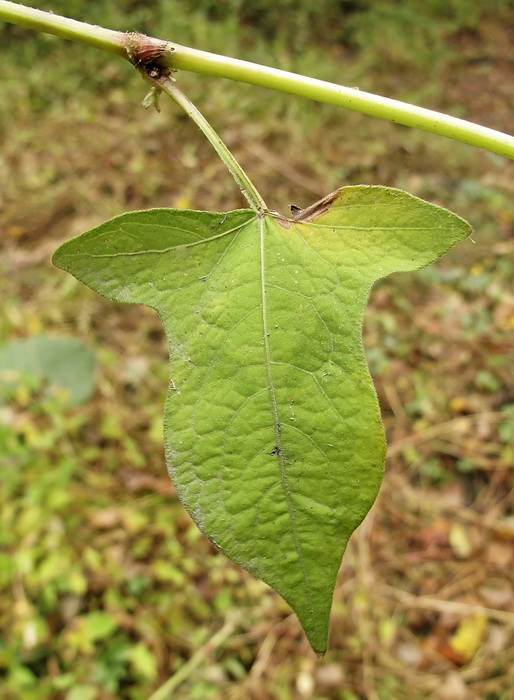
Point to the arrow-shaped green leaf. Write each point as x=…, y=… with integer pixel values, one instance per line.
x=272, y=427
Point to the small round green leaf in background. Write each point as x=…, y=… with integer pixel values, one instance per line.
x=61, y=364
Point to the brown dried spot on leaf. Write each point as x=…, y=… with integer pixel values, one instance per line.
x=316, y=209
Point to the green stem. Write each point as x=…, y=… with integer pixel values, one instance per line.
x=185, y=58
x=100, y=38
x=248, y=189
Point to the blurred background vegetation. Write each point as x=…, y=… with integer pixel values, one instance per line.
x=106, y=587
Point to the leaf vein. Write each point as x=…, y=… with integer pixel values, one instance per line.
x=274, y=408
x=159, y=251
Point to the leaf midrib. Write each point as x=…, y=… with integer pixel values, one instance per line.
x=274, y=405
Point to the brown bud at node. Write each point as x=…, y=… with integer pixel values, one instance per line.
x=145, y=51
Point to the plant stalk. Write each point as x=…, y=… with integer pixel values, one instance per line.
x=105, y=39
x=185, y=58
x=248, y=189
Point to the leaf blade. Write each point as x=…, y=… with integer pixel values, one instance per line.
x=272, y=427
